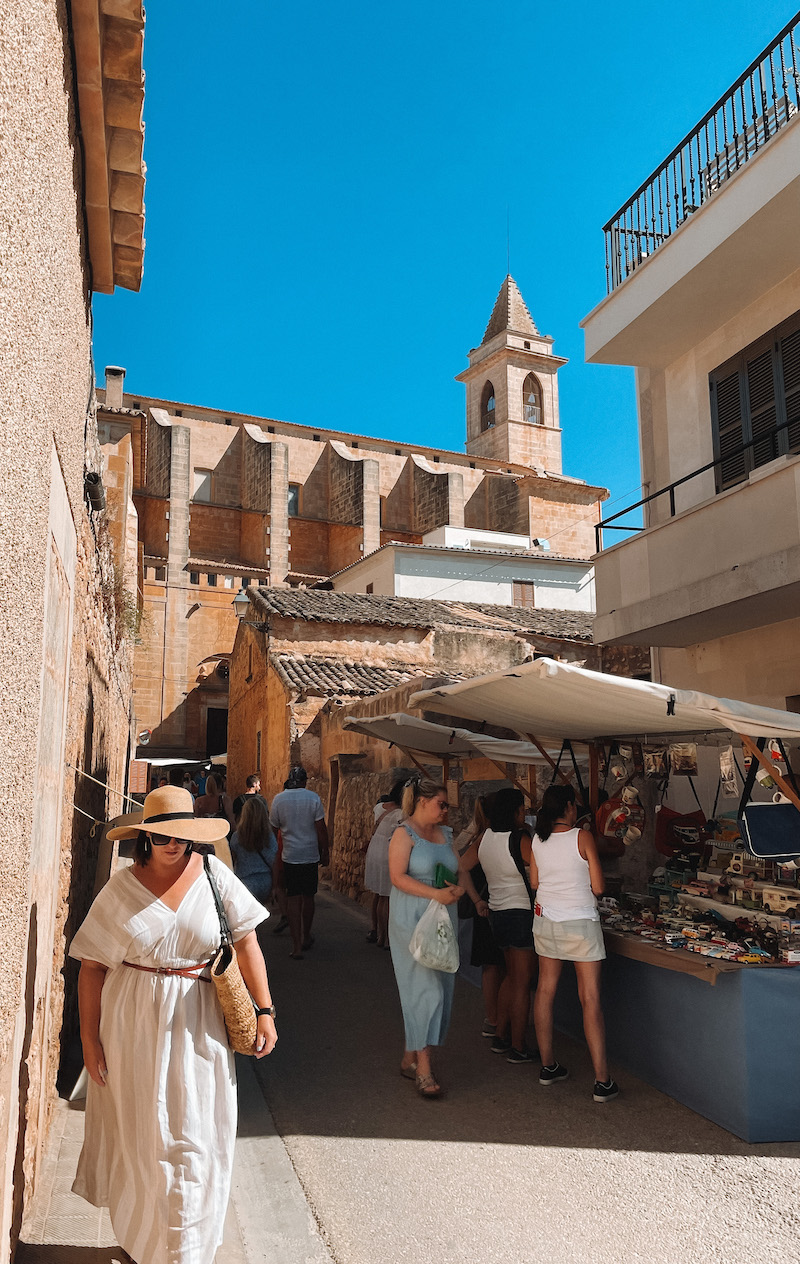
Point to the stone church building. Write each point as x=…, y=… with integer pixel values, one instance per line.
x=226, y=500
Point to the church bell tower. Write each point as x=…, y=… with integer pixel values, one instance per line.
x=512, y=388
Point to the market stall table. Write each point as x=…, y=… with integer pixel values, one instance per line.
x=728, y=1051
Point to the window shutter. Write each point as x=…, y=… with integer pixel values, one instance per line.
x=524, y=594
x=790, y=364
x=728, y=417
x=763, y=414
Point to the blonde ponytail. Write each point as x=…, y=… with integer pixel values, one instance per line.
x=418, y=788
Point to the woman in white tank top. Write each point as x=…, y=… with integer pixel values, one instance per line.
x=566, y=872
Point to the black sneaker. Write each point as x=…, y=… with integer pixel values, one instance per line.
x=519, y=1057
x=553, y=1074
x=499, y=1045
x=489, y=1030
x=605, y=1092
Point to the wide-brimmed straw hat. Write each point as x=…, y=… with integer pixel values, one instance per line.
x=169, y=811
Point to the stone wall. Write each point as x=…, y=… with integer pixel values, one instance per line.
x=430, y=497
x=158, y=441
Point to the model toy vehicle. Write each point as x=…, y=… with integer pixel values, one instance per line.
x=780, y=900
x=744, y=864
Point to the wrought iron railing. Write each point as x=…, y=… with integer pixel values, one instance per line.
x=669, y=490
x=762, y=101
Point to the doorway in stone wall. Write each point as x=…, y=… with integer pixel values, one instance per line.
x=216, y=730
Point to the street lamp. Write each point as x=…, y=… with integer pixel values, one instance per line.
x=241, y=604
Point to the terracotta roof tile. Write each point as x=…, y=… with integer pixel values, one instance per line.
x=342, y=677
x=314, y=605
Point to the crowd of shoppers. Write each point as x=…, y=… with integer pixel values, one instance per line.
x=533, y=893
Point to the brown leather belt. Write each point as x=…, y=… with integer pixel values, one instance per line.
x=186, y=972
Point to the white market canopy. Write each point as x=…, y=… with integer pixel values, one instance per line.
x=410, y=733
x=557, y=700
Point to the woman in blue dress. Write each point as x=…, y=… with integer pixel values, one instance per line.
x=418, y=845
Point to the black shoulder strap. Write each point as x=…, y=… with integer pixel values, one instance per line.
x=749, y=780
x=225, y=929
x=515, y=848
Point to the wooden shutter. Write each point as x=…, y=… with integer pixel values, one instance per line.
x=790, y=366
x=728, y=418
x=761, y=398
x=524, y=594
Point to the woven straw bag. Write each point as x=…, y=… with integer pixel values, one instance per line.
x=235, y=1001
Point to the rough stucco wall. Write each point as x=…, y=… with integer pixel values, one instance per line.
x=44, y=391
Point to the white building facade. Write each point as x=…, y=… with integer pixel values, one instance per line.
x=455, y=564
x=704, y=300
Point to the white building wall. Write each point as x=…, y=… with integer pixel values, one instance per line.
x=464, y=576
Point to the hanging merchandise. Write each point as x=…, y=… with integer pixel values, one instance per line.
x=727, y=773
x=621, y=819
x=655, y=762
x=683, y=759
x=680, y=833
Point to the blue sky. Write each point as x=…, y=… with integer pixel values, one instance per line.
x=328, y=186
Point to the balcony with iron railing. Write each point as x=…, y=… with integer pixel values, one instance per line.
x=726, y=564
x=761, y=101
x=708, y=231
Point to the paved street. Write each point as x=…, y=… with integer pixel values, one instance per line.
x=499, y=1170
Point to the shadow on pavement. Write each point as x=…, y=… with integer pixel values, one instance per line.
x=48, y=1254
x=335, y=1070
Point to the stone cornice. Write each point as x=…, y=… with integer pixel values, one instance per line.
x=108, y=39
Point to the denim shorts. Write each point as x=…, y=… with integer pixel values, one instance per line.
x=512, y=928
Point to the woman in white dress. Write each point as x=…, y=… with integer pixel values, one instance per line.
x=161, y=1105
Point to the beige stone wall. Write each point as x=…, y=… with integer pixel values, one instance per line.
x=761, y=666
x=44, y=389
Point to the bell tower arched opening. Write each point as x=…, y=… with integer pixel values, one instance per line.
x=487, y=407
x=532, y=401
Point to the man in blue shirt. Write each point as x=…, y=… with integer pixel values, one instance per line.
x=299, y=815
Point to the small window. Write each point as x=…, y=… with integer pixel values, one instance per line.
x=370, y=588
x=524, y=594
x=228, y=581
x=532, y=401
x=160, y=574
x=258, y=751
x=211, y=580
x=487, y=407
x=178, y=412
x=194, y=577
x=249, y=662
x=201, y=485
x=294, y=500
x=246, y=581
x=270, y=429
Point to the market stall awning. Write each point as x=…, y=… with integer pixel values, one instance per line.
x=557, y=700
x=410, y=733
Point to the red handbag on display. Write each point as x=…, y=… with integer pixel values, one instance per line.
x=680, y=831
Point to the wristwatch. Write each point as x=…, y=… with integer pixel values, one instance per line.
x=268, y=1009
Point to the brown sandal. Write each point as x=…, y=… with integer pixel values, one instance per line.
x=427, y=1086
